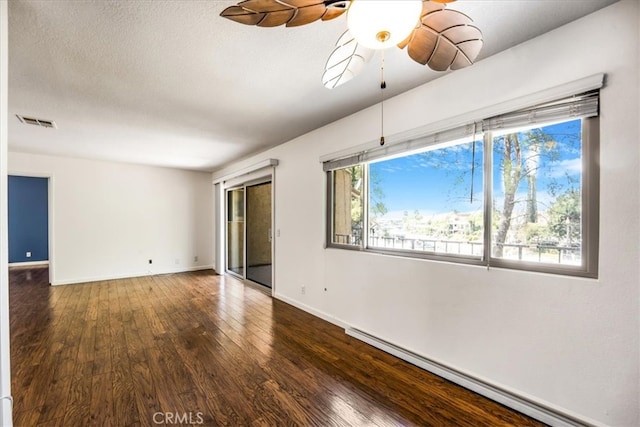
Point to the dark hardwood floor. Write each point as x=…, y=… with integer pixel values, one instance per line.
x=196, y=348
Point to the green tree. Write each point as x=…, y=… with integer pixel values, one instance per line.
x=519, y=156
x=512, y=168
x=356, y=193
x=377, y=206
x=565, y=217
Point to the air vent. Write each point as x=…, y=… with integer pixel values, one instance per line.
x=36, y=122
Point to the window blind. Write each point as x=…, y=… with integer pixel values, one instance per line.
x=577, y=106
x=391, y=150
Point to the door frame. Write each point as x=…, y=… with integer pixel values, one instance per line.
x=259, y=176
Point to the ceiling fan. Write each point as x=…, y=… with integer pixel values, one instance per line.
x=433, y=35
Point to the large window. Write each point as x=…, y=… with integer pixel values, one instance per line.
x=430, y=201
x=512, y=192
x=537, y=197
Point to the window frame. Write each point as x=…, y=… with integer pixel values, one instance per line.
x=430, y=255
x=330, y=227
x=590, y=198
x=590, y=218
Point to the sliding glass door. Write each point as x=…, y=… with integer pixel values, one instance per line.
x=249, y=234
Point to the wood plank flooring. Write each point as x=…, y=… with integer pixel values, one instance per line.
x=196, y=348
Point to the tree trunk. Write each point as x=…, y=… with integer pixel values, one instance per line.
x=532, y=163
x=532, y=200
x=511, y=175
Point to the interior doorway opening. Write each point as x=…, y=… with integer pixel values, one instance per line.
x=30, y=221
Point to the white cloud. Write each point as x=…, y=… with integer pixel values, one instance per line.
x=566, y=167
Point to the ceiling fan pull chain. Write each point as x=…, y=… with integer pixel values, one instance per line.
x=383, y=86
x=473, y=160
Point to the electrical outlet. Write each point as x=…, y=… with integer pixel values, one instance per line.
x=177, y=261
x=150, y=261
x=303, y=289
x=195, y=258
x=28, y=254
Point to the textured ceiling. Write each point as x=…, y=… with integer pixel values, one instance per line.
x=170, y=83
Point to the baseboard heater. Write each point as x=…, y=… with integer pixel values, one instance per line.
x=534, y=410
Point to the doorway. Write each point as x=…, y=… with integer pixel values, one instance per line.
x=29, y=220
x=249, y=240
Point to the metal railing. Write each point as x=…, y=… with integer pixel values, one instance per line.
x=459, y=247
x=524, y=252
x=533, y=252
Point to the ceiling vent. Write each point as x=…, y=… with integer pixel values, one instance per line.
x=36, y=122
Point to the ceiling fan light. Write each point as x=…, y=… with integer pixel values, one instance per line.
x=380, y=24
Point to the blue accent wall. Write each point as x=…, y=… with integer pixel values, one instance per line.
x=28, y=218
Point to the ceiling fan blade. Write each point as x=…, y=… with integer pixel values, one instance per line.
x=444, y=38
x=335, y=9
x=428, y=6
x=346, y=61
x=272, y=13
x=307, y=15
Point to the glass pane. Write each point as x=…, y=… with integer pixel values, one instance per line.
x=537, y=198
x=259, y=233
x=235, y=231
x=347, y=205
x=429, y=201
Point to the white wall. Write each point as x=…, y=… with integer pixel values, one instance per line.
x=109, y=218
x=571, y=343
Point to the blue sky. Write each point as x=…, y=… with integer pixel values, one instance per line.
x=439, y=181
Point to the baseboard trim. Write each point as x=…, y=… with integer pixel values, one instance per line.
x=29, y=264
x=540, y=412
x=128, y=275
